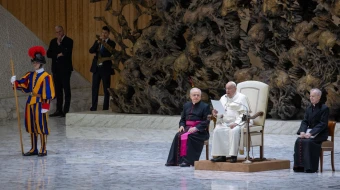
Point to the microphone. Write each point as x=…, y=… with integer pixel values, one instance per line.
x=245, y=117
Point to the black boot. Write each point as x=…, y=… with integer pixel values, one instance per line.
x=34, y=150
x=29, y=153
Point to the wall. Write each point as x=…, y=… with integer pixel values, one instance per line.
x=15, y=40
x=40, y=16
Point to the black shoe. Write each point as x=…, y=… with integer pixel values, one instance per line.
x=299, y=169
x=42, y=154
x=30, y=153
x=233, y=159
x=184, y=165
x=169, y=164
x=56, y=114
x=92, y=109
x=219, y=159
x=310, y=171
x=62, y=115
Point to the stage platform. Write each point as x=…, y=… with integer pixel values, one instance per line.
x=108, y=119
x=270, y=164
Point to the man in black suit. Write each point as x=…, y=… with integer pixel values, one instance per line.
x=313, y=131
x=60, y=51
x=102, y=67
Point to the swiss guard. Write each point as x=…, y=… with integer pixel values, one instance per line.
x=39, y=85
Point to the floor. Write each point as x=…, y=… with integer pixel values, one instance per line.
x=103, y=158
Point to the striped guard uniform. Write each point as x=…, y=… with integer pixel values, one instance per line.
x=41, y=88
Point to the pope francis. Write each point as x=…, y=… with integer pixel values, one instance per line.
x=227, y=137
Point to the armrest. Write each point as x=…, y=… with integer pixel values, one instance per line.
x=210, y=117
x=260, y=113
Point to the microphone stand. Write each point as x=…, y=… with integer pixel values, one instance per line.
x=247, y=161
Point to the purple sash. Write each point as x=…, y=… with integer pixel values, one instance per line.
x=184, y=137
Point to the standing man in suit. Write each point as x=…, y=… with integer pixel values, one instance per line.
x=60, y=51
x=102, y=67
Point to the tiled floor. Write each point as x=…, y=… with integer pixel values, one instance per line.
x=108, y=158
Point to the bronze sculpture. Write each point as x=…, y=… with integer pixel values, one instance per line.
x=292, y=45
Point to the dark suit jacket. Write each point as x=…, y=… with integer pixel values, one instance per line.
x=106, y=68
x=316, y=120
x=62, y=63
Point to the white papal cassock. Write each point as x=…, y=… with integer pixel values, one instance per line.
x=226, y=141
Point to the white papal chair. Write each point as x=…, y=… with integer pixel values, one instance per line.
x=257, y=94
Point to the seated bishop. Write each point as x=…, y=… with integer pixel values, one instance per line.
x=188, y=143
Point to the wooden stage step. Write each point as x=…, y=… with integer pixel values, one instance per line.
x=269, y=164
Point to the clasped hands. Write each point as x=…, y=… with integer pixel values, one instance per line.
x=305, y=135
x=191, y=130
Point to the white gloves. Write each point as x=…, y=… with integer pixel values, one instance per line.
x=45, y=107
x=13, y=79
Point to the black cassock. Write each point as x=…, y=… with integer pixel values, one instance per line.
x=195, y=142
x=307, y=151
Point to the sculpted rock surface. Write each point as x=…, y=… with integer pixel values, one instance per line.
x=294, y=46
